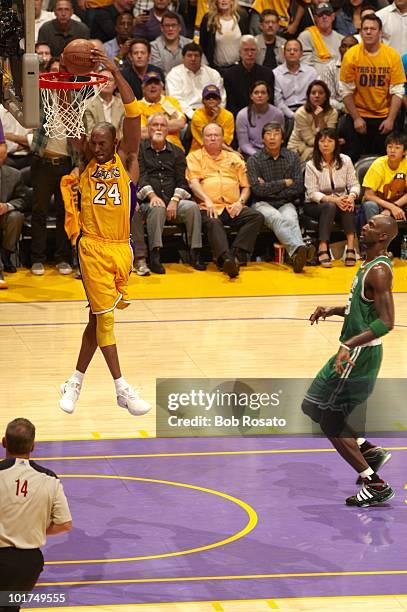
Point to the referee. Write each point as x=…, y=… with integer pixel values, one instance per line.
x=32, y=506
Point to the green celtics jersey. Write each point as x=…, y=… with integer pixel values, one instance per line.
x=359, y=311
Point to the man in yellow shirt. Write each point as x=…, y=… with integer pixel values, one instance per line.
x=219, y=181
x=212, y=112
x=155, y=102
x=385, y=182
x=372, y=84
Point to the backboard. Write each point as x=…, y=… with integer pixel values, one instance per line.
x=19, y=65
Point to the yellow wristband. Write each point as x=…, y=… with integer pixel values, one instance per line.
x=132, y=110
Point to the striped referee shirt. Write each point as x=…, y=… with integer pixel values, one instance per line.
x=31, y=498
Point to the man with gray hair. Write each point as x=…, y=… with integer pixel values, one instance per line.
x=239, y=78
x=164, y=193
x=219, y=181
x=32, y=506
x=276, y=182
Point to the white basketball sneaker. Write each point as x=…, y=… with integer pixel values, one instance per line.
x=130, y=399
x=70, y=391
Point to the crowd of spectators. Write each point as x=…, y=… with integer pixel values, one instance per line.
x=251, y=113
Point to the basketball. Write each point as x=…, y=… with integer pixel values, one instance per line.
x=77, y=57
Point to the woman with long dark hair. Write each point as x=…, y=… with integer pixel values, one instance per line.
x=251, y=120
x=331, y=190
x=220, y=32
x=315, y=115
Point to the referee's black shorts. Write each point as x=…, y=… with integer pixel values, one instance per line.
x=19, y=570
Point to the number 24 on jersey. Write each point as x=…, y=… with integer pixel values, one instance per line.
x=104, y=192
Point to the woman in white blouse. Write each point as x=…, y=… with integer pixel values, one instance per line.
x=331, y=190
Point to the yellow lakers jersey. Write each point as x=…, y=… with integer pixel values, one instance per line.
x=105, y=200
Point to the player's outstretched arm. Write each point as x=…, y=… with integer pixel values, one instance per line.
x=321, y=312
x=131, y=127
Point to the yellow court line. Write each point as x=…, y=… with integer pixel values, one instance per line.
x=225, y=601
x=252, y=522
x=201, y=454
x=218, y=578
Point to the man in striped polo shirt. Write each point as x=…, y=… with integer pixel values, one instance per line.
x=32, y=506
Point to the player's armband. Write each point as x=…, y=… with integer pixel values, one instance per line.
x=379, y=328
x=132, y=110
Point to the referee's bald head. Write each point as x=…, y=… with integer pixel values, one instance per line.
x=19, y=437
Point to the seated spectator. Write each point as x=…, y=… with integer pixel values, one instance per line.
x=349, y=17
x=212, y=112
x=282, y=8
x=372, y=81
x=118, y=47
x=331, y=190
x=42, y=16
x=186, y=81
x=103, y=24
x=105, y=107
x=276, y=181
x=292, y=79
x=241, y=76
x=53, y=65
x=44, y=55
x=320, y=42
x=138, y=65
x=164, y=193
x=153, y=102
x=166, y=50
x=221, y=30
x=251, y=120
x=269, y=44
x=63, y=29
x=330, y=76
x=385, y=182
x=394, y=19
x=219, y=181
x=316, y=114
x=151, y=28
x=13, y=194
x=3, y=145
x=18, y=140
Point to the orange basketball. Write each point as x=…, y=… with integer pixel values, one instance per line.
x=77, y=57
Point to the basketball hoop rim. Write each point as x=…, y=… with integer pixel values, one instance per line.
x=59, y=80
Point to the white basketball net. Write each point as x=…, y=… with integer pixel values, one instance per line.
x=64, y=109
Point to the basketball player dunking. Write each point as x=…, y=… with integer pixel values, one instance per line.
x=348, y=378
x=104, y=251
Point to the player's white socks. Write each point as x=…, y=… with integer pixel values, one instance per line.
x=366, y=473
x=120, y=383
x=77, y=377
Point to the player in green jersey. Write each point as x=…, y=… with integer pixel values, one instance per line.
x=348, y=378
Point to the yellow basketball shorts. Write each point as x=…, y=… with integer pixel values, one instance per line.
x=105, y=267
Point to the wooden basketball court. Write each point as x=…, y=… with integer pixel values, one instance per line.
x=231, y=336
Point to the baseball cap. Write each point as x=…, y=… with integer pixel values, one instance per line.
x=323, y=9
x=152, y=76
x=211, y=90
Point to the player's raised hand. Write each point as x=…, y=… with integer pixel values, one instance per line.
x=320, y=312
x=343, y=355
x=100, y=57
